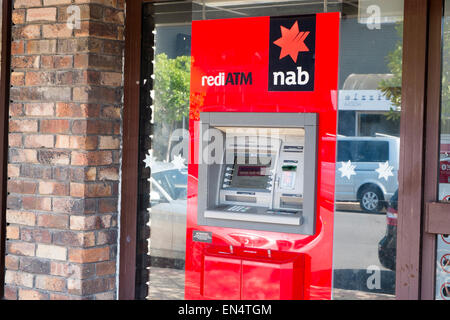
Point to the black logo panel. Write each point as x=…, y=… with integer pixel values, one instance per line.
x=292, y=53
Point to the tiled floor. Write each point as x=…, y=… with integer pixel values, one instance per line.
x=340, y=294
x=166, y=284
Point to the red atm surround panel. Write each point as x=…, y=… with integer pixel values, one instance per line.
x=250, y=264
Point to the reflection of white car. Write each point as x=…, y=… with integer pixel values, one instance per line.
x=366, y=170
x=168, y=202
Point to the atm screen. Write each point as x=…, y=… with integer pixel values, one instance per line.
x=254, y=173
x=246, y=171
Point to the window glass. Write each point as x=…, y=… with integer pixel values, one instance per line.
x=166, y=44
x=368, y=150
x=363, y=151
x=366, y=171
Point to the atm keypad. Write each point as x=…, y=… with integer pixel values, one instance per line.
x=238, y=209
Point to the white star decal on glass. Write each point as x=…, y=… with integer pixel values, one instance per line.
x=178, y=161
x=149, y=160
x=347, y=169
x=384, y=171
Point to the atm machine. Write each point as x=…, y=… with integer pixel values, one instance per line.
x=261, y=166
x=265, y=176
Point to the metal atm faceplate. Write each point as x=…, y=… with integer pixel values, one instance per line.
x=259, y=184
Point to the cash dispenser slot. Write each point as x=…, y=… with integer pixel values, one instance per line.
x=291, y=202
x=246, y=199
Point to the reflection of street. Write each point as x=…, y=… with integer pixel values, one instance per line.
x=355, y=250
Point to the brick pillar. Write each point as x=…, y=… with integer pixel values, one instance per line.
x=64, y=150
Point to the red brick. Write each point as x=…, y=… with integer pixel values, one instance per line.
x=111, y=79
x=15, y=140
x=108, y=143
x=74, y=271
x=39, y=141
x=29, y=294
x=12, y=262
x=50, y=283
x=15, y=109
x=23, y=126
x=74, y=110
x=10, y=293
x=41, y=14
x=27, y=3
x=22, y=186
x=19, y=278
x=35, y=235
x=31, y=31
x=37, y=203
x=53, y=157
x=106, y=268
x=39, y=78
x=18, y=16
x=98, y=190
x=13, y=232
x=57, y=62
x=20, y=248
x=53, y=221
x=89, y=255
x=108, y=174
x=56, y=31
x=51, y=252
x=23, y=155
x=55, y=126
x=20, y=217
x=13, y=170
x=41, y=46
x=92, y=127
x=74, y=238
x=17, y=47
x=83, y=142
x=53, y=188
x=17, y=78
x=22, y=62
x=62, y=142
x=91, y=158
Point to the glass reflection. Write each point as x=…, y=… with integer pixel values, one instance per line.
x=168, y=182
x=368, y=151
x=368, y=142
x=443, y=241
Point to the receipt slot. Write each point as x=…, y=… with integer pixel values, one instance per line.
x=262, y=153
x=264, y=176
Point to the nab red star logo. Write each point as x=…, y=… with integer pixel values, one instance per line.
x=292, y=42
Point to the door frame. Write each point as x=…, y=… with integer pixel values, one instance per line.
x=5, y=73
x=417, y=166
x=436, y=220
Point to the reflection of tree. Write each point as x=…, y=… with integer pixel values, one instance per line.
x=172, y=79
x=445, y=103
x=392, y=87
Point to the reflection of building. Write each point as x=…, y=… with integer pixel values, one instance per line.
x=361, y=101
x=363, y=64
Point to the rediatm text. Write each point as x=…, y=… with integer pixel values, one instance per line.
x=230, y=78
